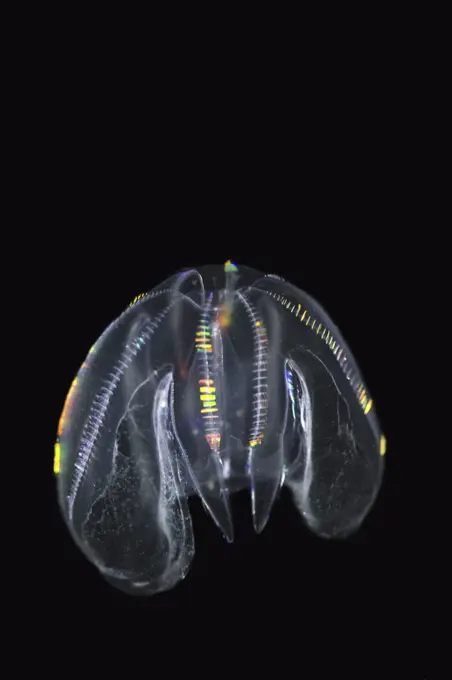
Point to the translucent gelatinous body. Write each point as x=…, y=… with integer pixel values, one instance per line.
x=218, y=380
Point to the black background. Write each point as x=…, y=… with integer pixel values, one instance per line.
x=296, y=147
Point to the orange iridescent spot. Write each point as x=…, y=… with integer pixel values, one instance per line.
x=213, y=439
x=224, y=316
x=66, y=407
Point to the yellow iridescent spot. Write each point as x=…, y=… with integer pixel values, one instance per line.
x=135, y=299
x=304, y=314
x=258, y=323
x=207, y=389
x=382, y=445
x=207, y=397
x=203, y=333
x=204, y=346
x=213, y=440
x=230, y=267
x=209, y=410
x=57, y=458
x=368, y=406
